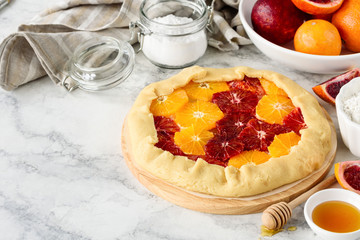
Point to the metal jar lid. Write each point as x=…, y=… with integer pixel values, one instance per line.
x=98, y=64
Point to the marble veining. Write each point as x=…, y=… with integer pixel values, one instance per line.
x=62, y=173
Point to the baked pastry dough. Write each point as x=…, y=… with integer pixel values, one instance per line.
x=200, y=176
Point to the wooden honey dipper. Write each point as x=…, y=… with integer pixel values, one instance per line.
x=276, y=216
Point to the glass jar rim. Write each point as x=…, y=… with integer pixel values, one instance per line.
x=188, y=28
x=103, y=42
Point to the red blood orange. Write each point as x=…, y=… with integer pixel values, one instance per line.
x=164, y=124
x=215, y=161
x=317, y=7
x=258, y=134
x=166, y=143
x=248, y=84
x=233, y=124
x=348, y=175
x=295, y=120
x=276, y=20
x=222, y=147
x=329, y=89
x=236, y=101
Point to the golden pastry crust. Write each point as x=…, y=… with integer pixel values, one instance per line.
x=202, y=177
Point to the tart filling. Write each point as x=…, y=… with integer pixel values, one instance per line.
x=227, y=132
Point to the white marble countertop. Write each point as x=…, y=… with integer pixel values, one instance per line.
x=62, y=173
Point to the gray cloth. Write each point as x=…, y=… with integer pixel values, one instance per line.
x=45, y=44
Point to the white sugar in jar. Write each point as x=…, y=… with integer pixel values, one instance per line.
x=173, y=32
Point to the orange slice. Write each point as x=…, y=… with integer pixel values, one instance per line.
x=273, y=108
x=168, y=105
x=283, y=143
x=204, y=90
x=271, y=88
x=202, y=114
x=249, y=157
x=329, y=89
x=192, y=140
x=318, y=7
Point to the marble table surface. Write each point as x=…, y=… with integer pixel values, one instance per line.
x=62, y=173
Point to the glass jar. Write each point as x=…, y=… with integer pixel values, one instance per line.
x=104, y=62
x=98, y=64
x=173, y=32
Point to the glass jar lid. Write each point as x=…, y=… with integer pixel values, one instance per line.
x=98, y=64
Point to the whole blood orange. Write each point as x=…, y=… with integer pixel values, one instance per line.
x=348, y=175
x=318, y=37
x=276, y=20
x=317, y=7
x=329, y=89
x=347, y=21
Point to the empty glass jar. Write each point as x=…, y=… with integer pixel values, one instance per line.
x=99, y=64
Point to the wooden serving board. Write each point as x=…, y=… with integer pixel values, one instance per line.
x=223, y=205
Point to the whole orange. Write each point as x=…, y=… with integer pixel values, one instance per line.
x=347, y=21
x=318, y=37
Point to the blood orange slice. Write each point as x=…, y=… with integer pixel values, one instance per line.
x=329, y=89
x=201, y=114
x=233, y=124
x=316, y=7
x=254, y=157
x=168, y=105
x=167, y=125
x=192, y=140
x=283, y=143
x=236, y=101
x=204, y=90
x=166, y=143
x=248, y=84
x=295, y=120
x=348, y=175
x=222, y=147
x=216, y=161
x=259, y=135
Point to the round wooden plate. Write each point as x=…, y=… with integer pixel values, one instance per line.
x=222, y=205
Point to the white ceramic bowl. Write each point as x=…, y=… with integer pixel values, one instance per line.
x=288, y=56
x=350, y=130
x=332, y=194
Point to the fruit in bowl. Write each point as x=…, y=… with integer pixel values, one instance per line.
x=276, y=21
x=347, y=20
x=286, y=54
x=318, y=7
x=319, y=37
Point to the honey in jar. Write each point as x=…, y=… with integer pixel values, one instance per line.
x=337, y=216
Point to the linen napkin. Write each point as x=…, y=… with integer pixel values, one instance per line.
x=45, y=44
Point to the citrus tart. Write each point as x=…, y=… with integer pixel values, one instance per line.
x=231, y=132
